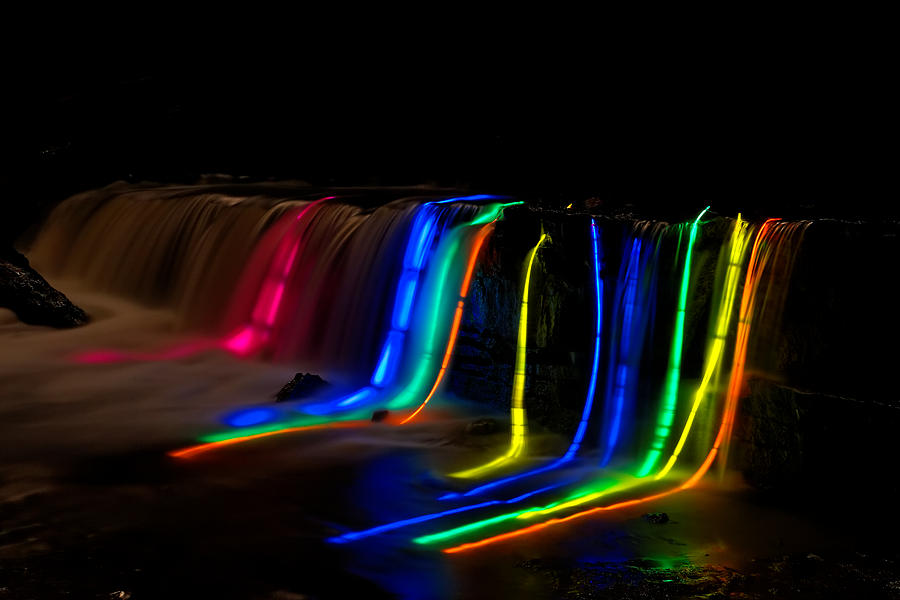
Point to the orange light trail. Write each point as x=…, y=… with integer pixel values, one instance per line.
x=748, y=300
x=457, y=318
x=545, y=524
x=200, y=448
x=736, y=251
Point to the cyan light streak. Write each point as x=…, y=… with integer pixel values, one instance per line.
x=252, y=336
x=422, y=236
x=473, y=198
x=486, y=219
x=254, y=424
x=578, y=438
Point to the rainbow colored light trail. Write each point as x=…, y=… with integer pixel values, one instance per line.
x=739, y=239
x=357, y=418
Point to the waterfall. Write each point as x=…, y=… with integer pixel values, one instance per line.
x=178, y=247
x=293, y=276
x=370, y=289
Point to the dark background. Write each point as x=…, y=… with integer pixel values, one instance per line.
x=662, y=134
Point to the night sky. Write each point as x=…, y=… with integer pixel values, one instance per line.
x=662, y=135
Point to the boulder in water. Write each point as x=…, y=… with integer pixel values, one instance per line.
x=302, y=385
x=656, y=518
x=36, y=302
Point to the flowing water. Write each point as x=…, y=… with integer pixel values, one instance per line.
x=156, y=420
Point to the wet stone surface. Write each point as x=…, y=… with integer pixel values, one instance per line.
x=36, y=302
x=794, y=576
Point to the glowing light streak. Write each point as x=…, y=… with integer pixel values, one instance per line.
x=390, y=359
x=116, y=356
x=519, y=514
x=618, y=380
x=251, y=337
x=755, y=268
x=578, y=438
x=422, y=234
x=690, y=482
x=358, y=535
x=246, y=437
x=457, y=319
x=670, y=397
x=539, y=526
x=251, y=416
x=355, y=418
x=737, y=246
x=517, y=411
x=249, y=433
x=406, y=292
x=473, y=198
x=494, y=213
x=595, y=364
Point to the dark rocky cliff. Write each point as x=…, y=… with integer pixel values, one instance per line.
x=26, y=293
x=820, y=394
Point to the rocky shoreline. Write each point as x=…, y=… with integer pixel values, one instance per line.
x=25, y=292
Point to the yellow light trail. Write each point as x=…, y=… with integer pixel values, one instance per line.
x=517, y=412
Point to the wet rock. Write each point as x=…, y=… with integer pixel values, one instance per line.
x=36, y=302
x=815, y=557
x=656, y=518
x=380, y=415
x=482, y=427
x=302, y=385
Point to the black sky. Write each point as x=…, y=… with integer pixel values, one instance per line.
x=662, y=133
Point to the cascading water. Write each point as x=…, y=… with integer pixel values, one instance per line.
x=631, y=321
x=372, y=290
x=181, y=247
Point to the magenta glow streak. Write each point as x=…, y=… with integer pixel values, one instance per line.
x=248, y=338
x=253, y=336
x=96, y=357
